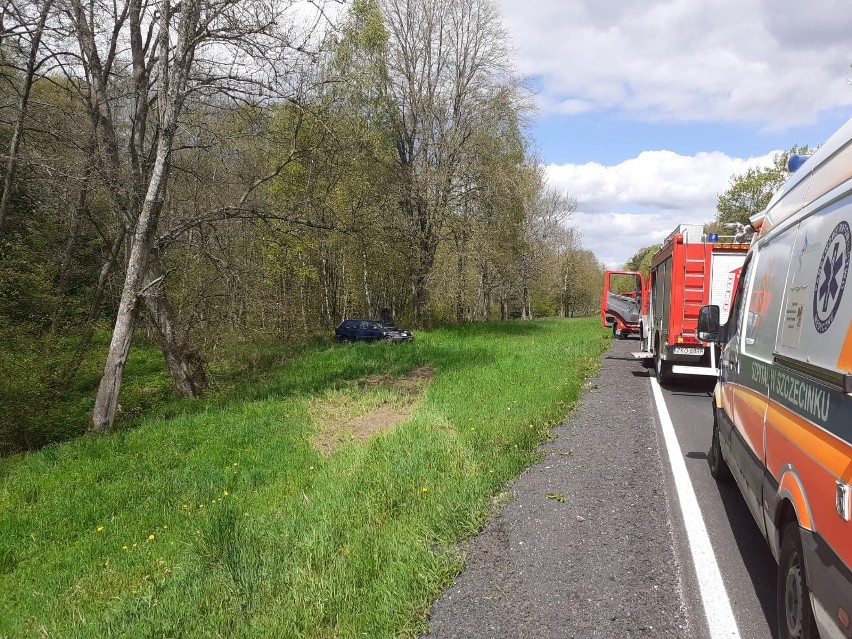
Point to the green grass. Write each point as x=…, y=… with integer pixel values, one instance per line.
x=223, y=521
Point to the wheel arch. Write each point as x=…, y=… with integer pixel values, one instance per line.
x=791, y=505
x=791, y=492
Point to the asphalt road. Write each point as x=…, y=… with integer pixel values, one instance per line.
x=606, y=554
x=747, y=567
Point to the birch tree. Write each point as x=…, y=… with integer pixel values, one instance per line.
x=195, y=50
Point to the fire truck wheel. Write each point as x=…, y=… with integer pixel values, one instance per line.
x=795, y=616
x=718, y=466
x=616, y=333
x=663, y=369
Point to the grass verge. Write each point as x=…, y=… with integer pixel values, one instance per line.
x=225, y=521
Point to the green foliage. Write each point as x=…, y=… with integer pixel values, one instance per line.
x=750, y=192
x=41, y=408
x=641, y=259
x=223, y=520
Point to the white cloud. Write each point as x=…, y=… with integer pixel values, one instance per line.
x=774, y=62
x=636, y=203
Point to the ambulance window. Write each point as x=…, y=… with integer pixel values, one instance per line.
x=737, y=308
x=763, y=312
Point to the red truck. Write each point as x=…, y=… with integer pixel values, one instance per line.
x=622, y=302
x=690, y=270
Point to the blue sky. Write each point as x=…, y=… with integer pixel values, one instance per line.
x=608, y=137
x=646, y=109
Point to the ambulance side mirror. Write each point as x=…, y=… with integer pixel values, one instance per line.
x=708, y=323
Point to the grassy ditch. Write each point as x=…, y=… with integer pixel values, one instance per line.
x=235, y=520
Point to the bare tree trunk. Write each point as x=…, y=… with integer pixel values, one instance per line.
x=171, y=89
x=186, y=367
x=106, y=401
x=23, y=103
x=460, y=275
x=325, y=289
x=366, y=280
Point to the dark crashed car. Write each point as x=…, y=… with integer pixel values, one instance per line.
x=361, y=330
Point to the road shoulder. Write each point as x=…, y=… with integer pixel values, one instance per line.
x=600, y=562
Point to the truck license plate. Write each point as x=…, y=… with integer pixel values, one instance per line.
x=686, y=350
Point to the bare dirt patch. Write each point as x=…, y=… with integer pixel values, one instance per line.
x=378, y=405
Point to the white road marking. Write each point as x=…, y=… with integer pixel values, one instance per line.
x=717, y=606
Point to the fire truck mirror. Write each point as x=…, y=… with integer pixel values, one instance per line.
x=708, y=323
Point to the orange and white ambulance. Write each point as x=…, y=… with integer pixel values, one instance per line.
x=783, y=403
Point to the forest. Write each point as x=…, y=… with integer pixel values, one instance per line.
x=217, y=172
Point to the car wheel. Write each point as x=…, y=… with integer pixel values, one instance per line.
x=616, y=333
x=718, y=466
x=795, y=616
x=389, y=339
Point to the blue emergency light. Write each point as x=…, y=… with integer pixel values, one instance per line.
x=713, y=237
x=795, y=162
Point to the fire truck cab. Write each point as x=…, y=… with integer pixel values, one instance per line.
x=622, y=302
x=783, y=404
x=690, y=270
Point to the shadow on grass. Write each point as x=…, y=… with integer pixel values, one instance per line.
x=492, y=329
x=258, y=371
x=315, y=368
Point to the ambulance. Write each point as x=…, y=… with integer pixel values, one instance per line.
x=783, y=403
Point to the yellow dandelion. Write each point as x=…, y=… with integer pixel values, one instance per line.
x=100, y=528
x=106, y=563
x=165, y=526
x=424, y=489
x=125, y=547
x=134, y=545
x=227, y=493
x=151, y=537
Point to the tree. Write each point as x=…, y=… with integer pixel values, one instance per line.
x=641, y=259
x=750, y=192
x=546, y=217
x=447, y=62
x=201, y=48
x=27, y=30
x=582, y=281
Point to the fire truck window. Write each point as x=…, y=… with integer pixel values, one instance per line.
x=766, y=295
x=625, y=284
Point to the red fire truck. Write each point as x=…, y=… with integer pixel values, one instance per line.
x=690, y=270
x=622, y=302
